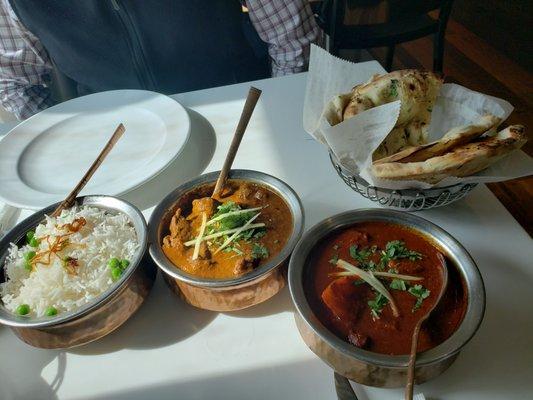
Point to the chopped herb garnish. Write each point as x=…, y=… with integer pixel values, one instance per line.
x=259, y=251
x=234, y=249
x=376, y=305
x=230, y=225
x=29, y=235
x=359, y=255
x=232, y=220
x=370, y=278
x=358, y=282
x=259, y=233
x=393, y=91
x=421, y=293
x=225, y=208
x=334, y=259
x=395, y=250
x=398, y=284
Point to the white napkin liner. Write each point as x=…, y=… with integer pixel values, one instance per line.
x=353, y=141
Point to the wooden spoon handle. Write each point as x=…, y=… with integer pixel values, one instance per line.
x=81, y=184
x=412, y=362
x=249, y=106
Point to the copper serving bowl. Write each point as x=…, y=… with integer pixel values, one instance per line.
x=363, y=366
x=225, y=294
x=103, y=314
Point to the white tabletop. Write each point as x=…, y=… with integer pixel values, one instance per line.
x=169, y=350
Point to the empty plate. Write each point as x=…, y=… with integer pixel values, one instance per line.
x=42, y=158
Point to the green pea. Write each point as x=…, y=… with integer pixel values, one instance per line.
x=27, y=265
x=34, y=242
x=114, y=263
x=50, y=311
x=116, y=273
x=23, y=309
x=29, y=255
x=30, y=235
x=124, y=264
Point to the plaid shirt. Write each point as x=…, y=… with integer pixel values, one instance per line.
x=287, y=26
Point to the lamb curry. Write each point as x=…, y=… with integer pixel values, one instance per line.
x=244, y=227
x=341, y=288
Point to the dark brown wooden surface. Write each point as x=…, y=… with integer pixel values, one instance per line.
x=474, y=63
x=507, y=23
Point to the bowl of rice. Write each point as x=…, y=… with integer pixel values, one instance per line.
x=68, y=280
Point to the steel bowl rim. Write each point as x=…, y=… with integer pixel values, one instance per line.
x=476, y=290
x=99, y=201
x=277, y=185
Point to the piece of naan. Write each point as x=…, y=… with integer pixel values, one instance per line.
x=454, y=137
x=464, y=160
x=417, y=92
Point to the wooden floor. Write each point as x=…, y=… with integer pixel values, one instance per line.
x=472, y=62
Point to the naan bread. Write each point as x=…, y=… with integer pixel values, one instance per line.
x=335, y=108
x=417, y=92
x=464, y=160
x=453, y=138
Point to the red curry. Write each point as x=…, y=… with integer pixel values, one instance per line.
x=356, y=312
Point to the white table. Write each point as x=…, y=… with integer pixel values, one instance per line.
x=169, y=350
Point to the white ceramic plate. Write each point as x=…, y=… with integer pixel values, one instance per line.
x=43, y=157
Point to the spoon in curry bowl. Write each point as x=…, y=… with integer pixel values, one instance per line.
x=414, y=340
x=249, y=106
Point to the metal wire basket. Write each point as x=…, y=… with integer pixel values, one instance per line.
x=405, y=199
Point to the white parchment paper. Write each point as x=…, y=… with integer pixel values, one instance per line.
x=353, y=141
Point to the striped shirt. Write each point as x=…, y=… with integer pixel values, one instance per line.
x=287, y=26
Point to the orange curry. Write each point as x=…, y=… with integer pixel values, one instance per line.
x=244, y=227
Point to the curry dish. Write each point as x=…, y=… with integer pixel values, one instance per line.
x=341, y=288
x=244, y=227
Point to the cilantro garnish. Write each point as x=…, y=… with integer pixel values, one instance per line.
x=259, y=233
x=393, y=90
x=371, y=265
x=359, y=255
x=421, y=293
x=225, y=208
x=229, y=216
x=259, y=251
x=376, y=305
x=395, y=250
x=398, y=284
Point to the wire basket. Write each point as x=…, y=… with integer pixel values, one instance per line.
x=405, y=199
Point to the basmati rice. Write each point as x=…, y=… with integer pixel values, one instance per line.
x=104, y=236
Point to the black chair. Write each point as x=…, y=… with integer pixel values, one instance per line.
x=405, y=21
